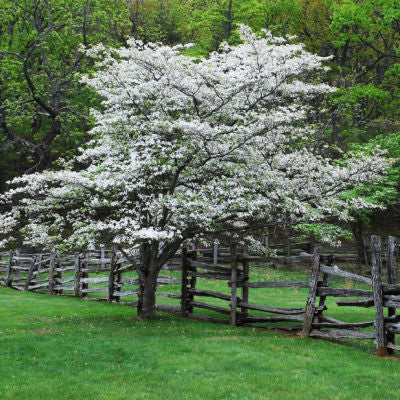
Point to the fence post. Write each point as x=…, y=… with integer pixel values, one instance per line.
x=77, y=277
x=287, y=245
x=118, y=282
x=59, y=275
x=311, y=245
x=85, y=265
x=8, y=281
x=193, y=281
x=30, y=273
x=234, y=277
x=184, y=283
x=365, y=250
x=111, y=277
x=392, y=279
x=310, y=305
x=17, y=272
x=391, y=260
x=265, y=239
x=379, y=325
x=51, y=273
x=215, y=251
x=39, y=265
x=246, y=272
x=325, y=283
x=102, y=257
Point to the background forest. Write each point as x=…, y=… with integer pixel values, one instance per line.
x=44, y=109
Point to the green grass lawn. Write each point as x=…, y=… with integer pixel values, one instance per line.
x=54, y=347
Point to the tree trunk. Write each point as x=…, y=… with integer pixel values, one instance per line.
x=148, y=274
x=147, y=296
x=229, y=21
x=358, y=235
x=151, y=262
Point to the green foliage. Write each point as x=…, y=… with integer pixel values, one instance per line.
x=386, y=193
x=283, y=17
x=324, y=233
x=44, y=110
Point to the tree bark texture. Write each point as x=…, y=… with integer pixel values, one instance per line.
x=148, y=273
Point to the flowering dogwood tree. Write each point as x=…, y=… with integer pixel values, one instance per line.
x=186, y=147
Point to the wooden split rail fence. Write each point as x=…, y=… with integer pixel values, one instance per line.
x=112, y=277
x=285, y=251
x=104, y=273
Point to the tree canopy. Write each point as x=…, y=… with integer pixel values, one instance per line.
x=44, y=111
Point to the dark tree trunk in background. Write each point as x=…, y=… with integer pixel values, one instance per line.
x=229, y=19
x=358, y=235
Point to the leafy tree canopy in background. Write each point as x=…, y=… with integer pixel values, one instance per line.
x=44, y=111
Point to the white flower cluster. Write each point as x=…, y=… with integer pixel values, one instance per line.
x=187, y=147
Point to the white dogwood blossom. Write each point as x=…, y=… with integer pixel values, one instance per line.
x=186, y=146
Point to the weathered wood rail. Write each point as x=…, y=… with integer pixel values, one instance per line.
x=108, y=276
x=285, y=252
